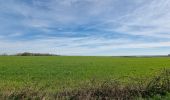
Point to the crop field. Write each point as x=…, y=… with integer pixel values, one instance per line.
x=57, y=73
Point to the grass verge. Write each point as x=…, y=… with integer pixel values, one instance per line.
x=108, y=90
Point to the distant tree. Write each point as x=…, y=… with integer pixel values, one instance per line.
x=24, y=54
x=35, y=54
x=168, y=54
x=4, y=54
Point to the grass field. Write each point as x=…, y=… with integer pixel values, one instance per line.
x=54, y=73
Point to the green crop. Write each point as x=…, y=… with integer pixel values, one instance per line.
x=66, y=72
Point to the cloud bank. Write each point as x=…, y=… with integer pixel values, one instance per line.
x=85, y=27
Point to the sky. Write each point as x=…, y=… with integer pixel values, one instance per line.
x=85, y=27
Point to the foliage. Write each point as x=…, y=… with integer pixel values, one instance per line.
x=41, y=77
x=34, y=54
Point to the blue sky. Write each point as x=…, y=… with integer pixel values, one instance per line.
x=85, y=27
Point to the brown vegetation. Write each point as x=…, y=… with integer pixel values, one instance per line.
x=158, y=85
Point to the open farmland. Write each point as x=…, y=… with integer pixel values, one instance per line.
x=55, y=74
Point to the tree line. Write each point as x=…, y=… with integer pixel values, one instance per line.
x=29, y=54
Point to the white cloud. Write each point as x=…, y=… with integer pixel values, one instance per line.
x=149, y=19
x=153, y=16
x=76, y=46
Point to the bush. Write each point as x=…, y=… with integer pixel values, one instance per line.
x=156, y=88
x=158, y=85
x=34, y=54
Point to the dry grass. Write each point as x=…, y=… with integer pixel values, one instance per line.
x=115, y=90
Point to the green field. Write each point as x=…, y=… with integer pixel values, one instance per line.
x=56, y=73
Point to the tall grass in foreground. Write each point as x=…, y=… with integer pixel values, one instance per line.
x=108, y=90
